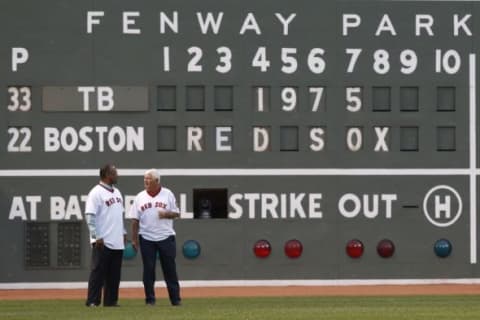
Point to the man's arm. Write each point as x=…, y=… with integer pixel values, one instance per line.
x=168, y=215
x=135, y=226
x=173, y=211
x=90, y=219
x=91, y=210
x=92, y=228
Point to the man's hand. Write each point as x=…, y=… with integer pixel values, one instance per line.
x=99, y=244
x=162, y=214
x=135, y=245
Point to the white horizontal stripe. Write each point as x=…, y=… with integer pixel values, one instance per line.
x=243, y=172
x=49, y=173
x=246, y=283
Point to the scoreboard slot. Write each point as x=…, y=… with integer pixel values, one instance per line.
x=94, y=98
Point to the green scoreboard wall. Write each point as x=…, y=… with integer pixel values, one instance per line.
x=347, y=126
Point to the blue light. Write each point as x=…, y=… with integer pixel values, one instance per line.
x=191, y=249
x=442, y=248
x=129, y=252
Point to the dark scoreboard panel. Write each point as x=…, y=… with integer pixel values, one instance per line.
x=196, y=85
x=320, y=121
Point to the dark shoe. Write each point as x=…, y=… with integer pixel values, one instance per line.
x=177, y=304
x=150, y=304
x=111, y=305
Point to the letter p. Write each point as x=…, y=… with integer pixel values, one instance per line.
x=19, y=56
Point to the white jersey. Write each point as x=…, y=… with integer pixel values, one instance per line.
x=106, y=205
x=145, y=209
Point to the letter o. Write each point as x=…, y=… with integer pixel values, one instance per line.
x=342, y=203
x=354, y=139
x=69, y=139
x=116, y=139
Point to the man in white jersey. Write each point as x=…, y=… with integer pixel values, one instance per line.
x=104, y=216
x=153, y=211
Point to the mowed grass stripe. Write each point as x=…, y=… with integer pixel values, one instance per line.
x=287, y=308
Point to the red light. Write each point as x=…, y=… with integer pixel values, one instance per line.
x=262, y=248
x=385, y=248
x=293, y=248
x=354, y=248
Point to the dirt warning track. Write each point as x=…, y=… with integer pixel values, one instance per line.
x=203, y=292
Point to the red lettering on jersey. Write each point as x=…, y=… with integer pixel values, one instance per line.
x=146, y=206
x=110, y=201
x=160, y=205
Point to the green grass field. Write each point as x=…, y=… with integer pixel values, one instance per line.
x=351, y=308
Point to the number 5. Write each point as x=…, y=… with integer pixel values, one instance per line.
x=289, y=61
x=354, y=100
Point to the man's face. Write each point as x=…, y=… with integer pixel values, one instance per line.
x=150, y=183
x=113, y=175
